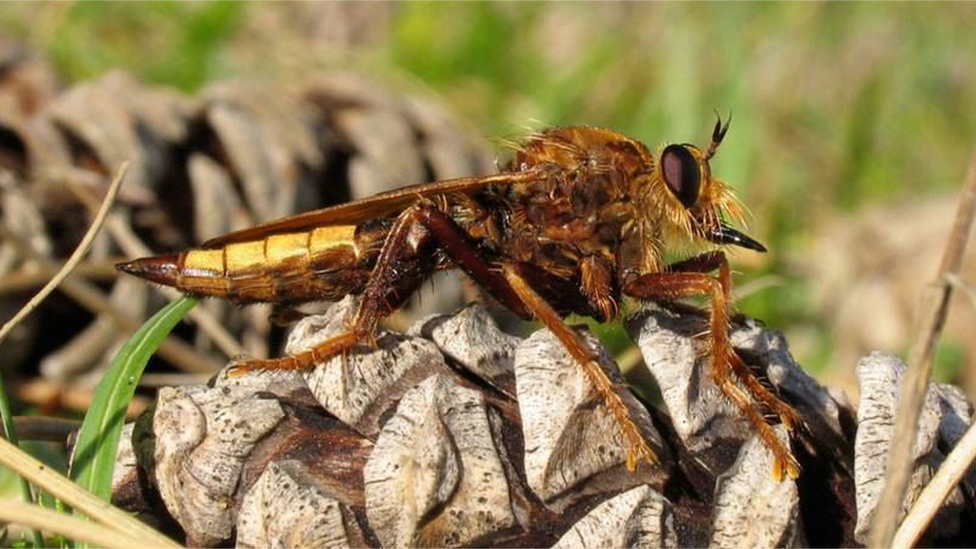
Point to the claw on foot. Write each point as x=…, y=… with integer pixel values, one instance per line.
x=637, y=448
x=249, y=366
x=637, y=452
x=789, y=418
x=787, y=462
x=236, y=371
x=243, y=368
x=792, y=467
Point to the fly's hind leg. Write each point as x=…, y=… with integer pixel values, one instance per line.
x=638, y=449
x=682, y=281
x=397, y=273
x=390, y=285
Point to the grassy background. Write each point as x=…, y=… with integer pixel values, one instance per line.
x=837, y=106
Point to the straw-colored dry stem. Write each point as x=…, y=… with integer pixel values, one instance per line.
x=953, y=469
x=70, y=527
x=933, y=315
x=75, y=496
x=72, y=261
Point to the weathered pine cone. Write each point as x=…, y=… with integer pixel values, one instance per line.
x=456, y=434
x=235, y=154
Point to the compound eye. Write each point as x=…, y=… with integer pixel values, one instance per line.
x=681, y=173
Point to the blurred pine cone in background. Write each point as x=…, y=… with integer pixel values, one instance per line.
x=234, y=154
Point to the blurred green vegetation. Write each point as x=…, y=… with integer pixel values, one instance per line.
x=835, y=105
x=174, y=43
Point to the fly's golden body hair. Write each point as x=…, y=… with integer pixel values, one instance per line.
x=581, y=217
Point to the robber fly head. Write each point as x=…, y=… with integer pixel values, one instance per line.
x=695, y=203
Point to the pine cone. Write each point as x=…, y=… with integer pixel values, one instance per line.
x=456, y=434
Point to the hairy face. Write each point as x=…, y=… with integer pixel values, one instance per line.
x=694, y=204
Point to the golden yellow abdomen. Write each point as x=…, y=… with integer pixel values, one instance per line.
x=283, y=267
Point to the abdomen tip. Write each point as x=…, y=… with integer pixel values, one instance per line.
x=161, y=269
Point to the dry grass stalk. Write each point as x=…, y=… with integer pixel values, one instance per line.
x=933, y=317
x=70, y=493
x=953, y=469
x=75, y=258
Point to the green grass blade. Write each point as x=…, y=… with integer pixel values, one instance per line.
x=98, y=440
x=8, y=427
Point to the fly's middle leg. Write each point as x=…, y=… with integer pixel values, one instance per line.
x=638, y=448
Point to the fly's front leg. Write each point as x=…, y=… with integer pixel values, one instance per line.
x=673, y=285
x=390, y=283
x=711, y=261
x=579, y=350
